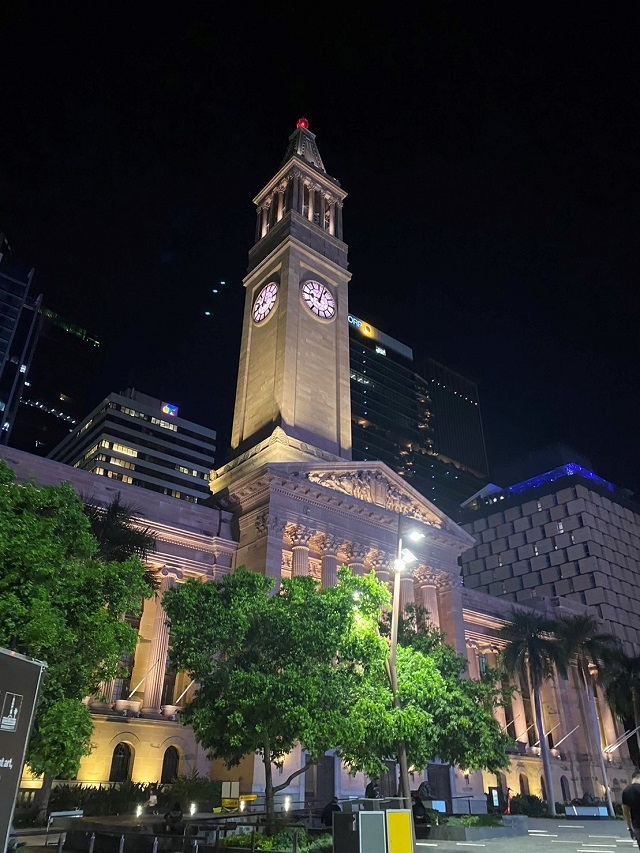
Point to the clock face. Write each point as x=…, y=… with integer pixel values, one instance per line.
x=264, y=304
x=318, y=299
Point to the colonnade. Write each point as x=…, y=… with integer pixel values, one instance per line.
x=308, y=198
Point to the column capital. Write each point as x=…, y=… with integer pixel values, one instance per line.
x=425, y=576
x=328, y=544
x=298, y=536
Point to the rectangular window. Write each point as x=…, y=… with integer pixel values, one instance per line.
x=105, y=443
x=91, y=452
x=97, y=471
x=122, y=448
x=164, y=424
x=122, y=463
x=181, y=469
x=132, y=412
x=86, y=426
x=482, y=664
x=115, y=475
x=560, y=527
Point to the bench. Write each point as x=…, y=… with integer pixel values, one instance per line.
x=586, y=812
x=54, y=815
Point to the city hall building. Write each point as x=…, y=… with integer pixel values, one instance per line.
x=298, y=504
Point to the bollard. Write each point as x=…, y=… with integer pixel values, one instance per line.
x=121, y=847
x=253, y=841
x=61, y=840
x=92, y=842
x=154, y=849
x=195, y=845
x=295, y=841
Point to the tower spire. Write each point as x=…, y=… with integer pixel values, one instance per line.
x=303, y=144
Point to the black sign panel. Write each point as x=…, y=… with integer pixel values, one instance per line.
x=20, y=679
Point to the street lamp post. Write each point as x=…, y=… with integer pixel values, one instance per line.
x=403, y=558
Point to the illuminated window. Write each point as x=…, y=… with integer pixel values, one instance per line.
x=132, y=412
x=560, y=527
x=97, y=471
x=482, y=664
x=164, y=424
x=91, y=452
x=86, y=426
x=122, y=448
x=181, y=469
x=116, y=475
x=105, y=443
x=122, y=463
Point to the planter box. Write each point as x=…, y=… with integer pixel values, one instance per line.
x=479, y=833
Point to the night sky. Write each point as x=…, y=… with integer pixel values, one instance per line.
x=490, y=152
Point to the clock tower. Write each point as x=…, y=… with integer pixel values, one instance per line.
x=293, y=376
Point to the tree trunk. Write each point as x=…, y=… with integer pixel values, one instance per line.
x=42, y=800
x=544, y=749
x=635, y=699
x=268, y=787
x=595, y=730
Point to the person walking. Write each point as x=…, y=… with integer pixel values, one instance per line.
x=631, y=807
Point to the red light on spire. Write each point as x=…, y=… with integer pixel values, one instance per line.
x=303, y=122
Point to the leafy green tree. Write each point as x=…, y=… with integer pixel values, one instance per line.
x=308, y=667
x=118, y=533
x=533, y=654
x=620, y=679
x=586, y=644
x=61, y=604
x=274, y=670
x=442, y=713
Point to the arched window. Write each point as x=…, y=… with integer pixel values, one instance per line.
x=502, y=783
x=169, y=765
x=566, y=792
x=524, y=785
x=543, y=789
x=121, y=763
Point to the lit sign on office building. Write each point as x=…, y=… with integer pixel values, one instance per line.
x=170, y=409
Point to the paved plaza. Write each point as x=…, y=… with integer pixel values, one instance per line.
x=549, y=836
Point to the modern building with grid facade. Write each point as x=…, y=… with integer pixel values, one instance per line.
x=566, y=532
x=141, y=441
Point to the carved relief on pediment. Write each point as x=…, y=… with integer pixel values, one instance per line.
x=374, y=488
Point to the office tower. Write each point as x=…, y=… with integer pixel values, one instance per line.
x=57, y=388
x=19, y=327
x=424, y=424
x=142, y=441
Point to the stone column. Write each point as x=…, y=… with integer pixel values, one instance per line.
x=332, y=218
x=472, y=660
x=450, y=610
x=329, y=546
x=312, y=202
x=299, y=538
x=321, y=210
x=407, y=595
x=519, y=718
x=265, y=221
x=281, y=191
x=258, y=223
x=356, y=556
x=427, y=581
x=339, y=222
x=499, y=713
x=154, y=681
x=300, y=193
x=379, y=562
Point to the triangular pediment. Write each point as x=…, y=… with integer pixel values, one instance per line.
x=376, y=484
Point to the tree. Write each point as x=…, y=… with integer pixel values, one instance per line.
x=274, y=671
x=118, y=534
x=307, y=667
x=442, y=714
x=533, y=654
x=620, y=680
x=61, y=604
x=584, y=642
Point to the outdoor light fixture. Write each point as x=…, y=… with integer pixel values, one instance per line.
x=243, y=805
x=287, y=804
x=138, y=811
x=192, y=809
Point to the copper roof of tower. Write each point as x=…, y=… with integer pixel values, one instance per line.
x=303, y=144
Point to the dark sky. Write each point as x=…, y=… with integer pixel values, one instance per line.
x=490, y=152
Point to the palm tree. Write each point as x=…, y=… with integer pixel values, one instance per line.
x=118, y=534
x=534, y=654
x=620, y=680
x=584, y=642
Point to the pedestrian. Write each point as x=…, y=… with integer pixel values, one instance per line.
x=152, y=803
x=372, y=791
x=173, y=819
x=631, y=807
x=326, y=818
